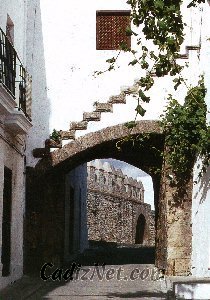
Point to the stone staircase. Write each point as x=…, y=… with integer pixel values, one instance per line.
x=98, y=109
x=95, y=115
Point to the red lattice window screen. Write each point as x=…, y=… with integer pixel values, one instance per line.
x=110, y=29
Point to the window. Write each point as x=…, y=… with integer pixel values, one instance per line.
x=6, y=222
x=110, y=29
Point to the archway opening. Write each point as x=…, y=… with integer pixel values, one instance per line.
x=115, y=209
x=140, y=229
x=100, y=145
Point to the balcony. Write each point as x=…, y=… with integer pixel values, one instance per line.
x=15, y=89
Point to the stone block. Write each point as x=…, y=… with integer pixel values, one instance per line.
x=82, y=125
x=68, y=135
x=103, y=107
x=91, y=116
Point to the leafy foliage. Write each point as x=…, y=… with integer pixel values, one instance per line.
x=186, y=131
x=187, y=135
x=55, y=135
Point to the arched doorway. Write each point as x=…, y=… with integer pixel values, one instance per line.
x=140, y=229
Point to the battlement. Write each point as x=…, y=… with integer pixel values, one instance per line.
x=104, y=178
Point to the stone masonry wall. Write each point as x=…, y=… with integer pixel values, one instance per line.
x=114, y=203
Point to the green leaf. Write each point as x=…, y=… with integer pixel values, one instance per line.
x=140, y=110
x=130, y=32
x=133, y=62
x=144, y=97
x=111, y=60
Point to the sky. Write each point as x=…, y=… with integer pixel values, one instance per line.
x=138, y=174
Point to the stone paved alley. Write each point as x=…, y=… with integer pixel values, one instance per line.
x=132, y=285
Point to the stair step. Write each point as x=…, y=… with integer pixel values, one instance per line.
x=68, y=135
x=183, y=56
x=188, y=48
x=121, y=98
x=91, y=116
x=193, y=47
x=103, y=107
x=40, y=152
x=49, y=143
x=130, y=89
x=82, y=125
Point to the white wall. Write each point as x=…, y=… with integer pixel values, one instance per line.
x=17, y=12
x=35, y=62
x=12, y=150
x=12, y=156
x=28, y=45
x=201, y=190
x=69, y=31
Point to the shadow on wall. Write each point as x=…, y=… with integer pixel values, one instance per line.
x=204, y=186
x=36, y=67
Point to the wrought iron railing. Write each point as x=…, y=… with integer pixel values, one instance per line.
x=14, y=76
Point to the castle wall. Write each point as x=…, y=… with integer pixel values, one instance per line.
x=114, y=203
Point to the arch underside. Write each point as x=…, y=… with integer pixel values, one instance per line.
x=103, y=144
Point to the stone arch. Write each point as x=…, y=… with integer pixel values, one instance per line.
x=172, y=215
x=102, y=144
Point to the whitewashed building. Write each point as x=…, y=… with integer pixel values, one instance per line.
x=74, y=52
x=21, y=58
x=58, y=44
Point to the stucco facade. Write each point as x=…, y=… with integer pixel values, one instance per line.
x=14, y=126
x=16, y=121
x=201, y=188
x=69, y=88
x=77, y=68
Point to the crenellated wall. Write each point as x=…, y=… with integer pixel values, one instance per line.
x=114, y=203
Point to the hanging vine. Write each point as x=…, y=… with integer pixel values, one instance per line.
x=161, y=22
x=187, y=134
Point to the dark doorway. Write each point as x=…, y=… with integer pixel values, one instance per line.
x=6, y=222
x=140, y=230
